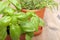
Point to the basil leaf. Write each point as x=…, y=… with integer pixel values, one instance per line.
x=3, y=5
x=29, y=35
x=16, y=4
x=4, y=22
x=35, y=22
x=42, y=23
x=8, y=11
x=15, y=31
x=27, y=26
x=14, y=19
x=3, y=34
x=23, y=17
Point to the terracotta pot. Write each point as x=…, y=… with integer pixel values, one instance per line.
x=40, y=29
x=39, y=13
x=22, y=37
x=8, y=37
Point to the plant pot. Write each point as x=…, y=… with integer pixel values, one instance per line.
x=22, y=37
x=39, y=13
x=8, y=37
x=40, y=29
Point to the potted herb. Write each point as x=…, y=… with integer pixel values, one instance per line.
x=14, y=23
x=37, y=6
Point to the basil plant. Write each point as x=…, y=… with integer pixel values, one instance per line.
x=17, y=22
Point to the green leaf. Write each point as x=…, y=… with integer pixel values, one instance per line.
x=42, y=23
x=27, y=26
x=23, y=17
x=35, y=22
x=14, y=19
x=15, y=31
x=3, y=5
x=28, y=37
x=3, y=35
x=8, y=11
x=4, y=21
x=31, y=34
x=16, y=4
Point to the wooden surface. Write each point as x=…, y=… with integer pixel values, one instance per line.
x=51, y=30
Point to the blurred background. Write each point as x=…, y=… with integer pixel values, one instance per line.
x=51, y=31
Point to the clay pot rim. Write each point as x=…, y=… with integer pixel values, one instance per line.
x=38, y=32
x=33, y=10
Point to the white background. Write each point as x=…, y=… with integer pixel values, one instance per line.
x=51, y=30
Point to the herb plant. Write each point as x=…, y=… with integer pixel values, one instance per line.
x=37, y=4
x=17, y=21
